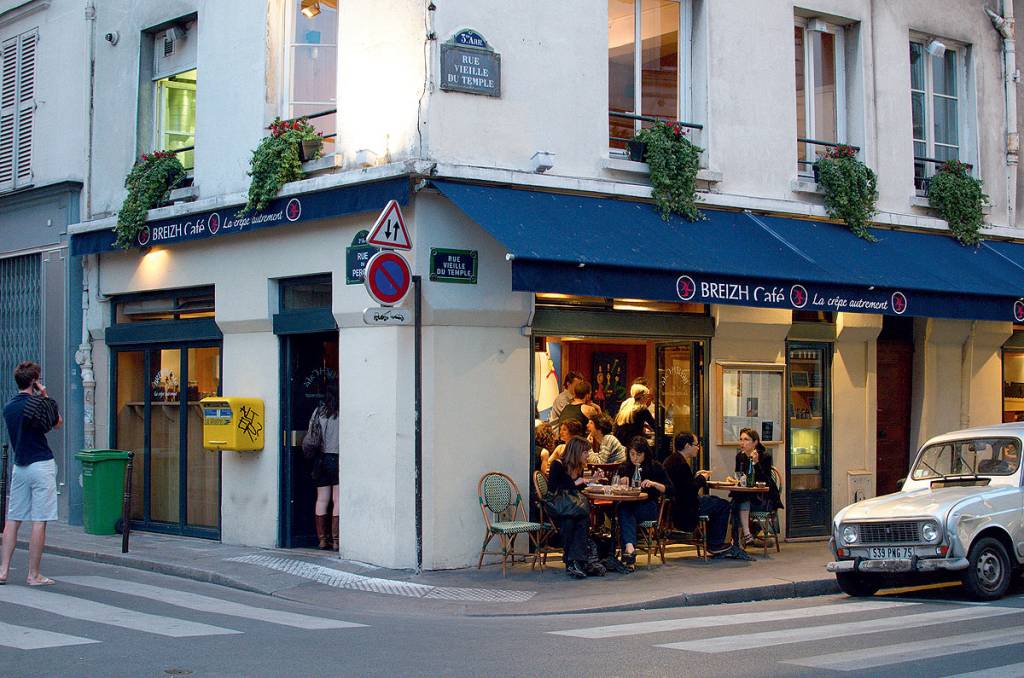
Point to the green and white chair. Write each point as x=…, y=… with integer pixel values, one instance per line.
x=768, y=521
x=504, y=517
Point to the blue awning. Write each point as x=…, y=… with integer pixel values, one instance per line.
x=606, y=247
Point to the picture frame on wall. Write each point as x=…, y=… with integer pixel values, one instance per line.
x=750, y=395
x=608, y=380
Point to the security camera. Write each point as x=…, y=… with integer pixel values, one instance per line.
x=112, y=37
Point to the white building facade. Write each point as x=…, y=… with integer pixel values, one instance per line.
x=522, y=185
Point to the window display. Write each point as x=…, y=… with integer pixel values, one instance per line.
x=750, y=396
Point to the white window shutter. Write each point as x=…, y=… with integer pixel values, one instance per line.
x=26, y=109
x=8, y=110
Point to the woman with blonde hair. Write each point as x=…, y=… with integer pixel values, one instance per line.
x=631, y=422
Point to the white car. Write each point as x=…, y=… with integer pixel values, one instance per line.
x=960, y=513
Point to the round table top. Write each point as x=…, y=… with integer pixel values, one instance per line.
x=722, y=485
x=595, y=493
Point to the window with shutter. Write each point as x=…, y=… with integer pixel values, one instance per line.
x=17, y=109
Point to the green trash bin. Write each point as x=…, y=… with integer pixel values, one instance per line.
x=102, y=488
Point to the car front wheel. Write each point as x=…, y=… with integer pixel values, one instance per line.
x=988, y=575
x=857, y=585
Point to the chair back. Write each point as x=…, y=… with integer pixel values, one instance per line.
x=540, y=485
x=777, y=477
x=499, y=498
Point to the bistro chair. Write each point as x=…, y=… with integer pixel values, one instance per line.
x=654, y=533
x=543, y=546
x=698, y=538
x=504, y=517
x=768, y=521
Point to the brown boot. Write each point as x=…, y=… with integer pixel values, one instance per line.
x=334, y=531
x=321, y=531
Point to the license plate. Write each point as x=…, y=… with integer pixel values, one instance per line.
x=890, y=552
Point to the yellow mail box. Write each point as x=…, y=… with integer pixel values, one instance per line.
x=234, y=424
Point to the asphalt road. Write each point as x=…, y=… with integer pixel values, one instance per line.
x=107, y=621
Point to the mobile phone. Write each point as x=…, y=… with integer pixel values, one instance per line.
x=37, y=388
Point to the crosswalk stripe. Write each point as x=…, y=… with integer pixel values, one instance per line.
x=1008, y=671
x=662, y=625
x=194, y=601
x=25, y=638
x=101, y=613
x=873, y=657
x=787, y=636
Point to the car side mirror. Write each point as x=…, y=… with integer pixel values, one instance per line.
x=899, y=484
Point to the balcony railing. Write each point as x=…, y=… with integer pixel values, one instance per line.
x=620, y=142
x=328, y=138
x=826, y=144
x=922, y=179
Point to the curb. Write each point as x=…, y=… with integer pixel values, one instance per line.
x=796, y=589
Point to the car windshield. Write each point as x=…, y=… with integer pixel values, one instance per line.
x=977, y=456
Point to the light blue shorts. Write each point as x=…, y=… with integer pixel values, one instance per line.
x=34, y=492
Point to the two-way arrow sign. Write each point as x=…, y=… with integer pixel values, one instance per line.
x=389, y=230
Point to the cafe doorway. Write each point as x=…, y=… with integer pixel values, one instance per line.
x=309, y=365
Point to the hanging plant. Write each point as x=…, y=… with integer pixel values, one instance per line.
x=959, y=200
x=851, y=189
x=149, y=184
x=674, y=161
x=278, y=160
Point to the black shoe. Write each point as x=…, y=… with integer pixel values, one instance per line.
x=595, y=569
x=574, y=570
x=614, y=563
x=629, y=559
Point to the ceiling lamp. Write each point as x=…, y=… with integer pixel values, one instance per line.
x=310, y=8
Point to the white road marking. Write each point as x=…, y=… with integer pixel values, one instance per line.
x=101, y=613
x=639, y=628
x=803, y=635
x=194, y=601
x=872, y=657
x=25, y=638
x=1008, y=671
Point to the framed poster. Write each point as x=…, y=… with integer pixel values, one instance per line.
x=608, y=381
x=750, y=395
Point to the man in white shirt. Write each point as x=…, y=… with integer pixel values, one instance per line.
x=565, y=397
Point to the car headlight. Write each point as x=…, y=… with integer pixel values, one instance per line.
x=850, y=534
x=930, y=532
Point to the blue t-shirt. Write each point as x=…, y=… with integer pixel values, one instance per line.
x=29, y=445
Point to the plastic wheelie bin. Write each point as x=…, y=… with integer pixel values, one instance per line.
x=102, y=488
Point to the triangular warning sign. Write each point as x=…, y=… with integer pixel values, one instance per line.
x=389, y=230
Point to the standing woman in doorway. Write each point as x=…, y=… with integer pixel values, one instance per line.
x=325, y=469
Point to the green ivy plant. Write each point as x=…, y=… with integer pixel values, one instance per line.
x=959, y=200
x=276, y=162
x=149, y=183
x=674, y=161
x=851, y=189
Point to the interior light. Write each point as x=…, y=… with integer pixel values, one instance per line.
x=310, y=8
x=935, y=48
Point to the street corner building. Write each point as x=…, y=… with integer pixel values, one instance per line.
x=491, y=152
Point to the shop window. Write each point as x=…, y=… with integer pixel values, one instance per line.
x=173, y=305
x=607, y=304
x=937, y=76
x=311, y=64
x=305, y=293
x=820, y=89
x=176, y=115
x=17, y=109
x=648, y=64
x=809, y=440
x=1013, y=385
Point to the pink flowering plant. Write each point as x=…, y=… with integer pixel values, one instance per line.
x=674, y=161
x=276, y=160
x=851, y=189
x=959, y=200
x=149, y=183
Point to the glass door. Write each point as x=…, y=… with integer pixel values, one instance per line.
x=679, y=393
x=808, y=464
x=176, y=483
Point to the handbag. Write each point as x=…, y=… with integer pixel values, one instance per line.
x=313, y=443
x=565, y=504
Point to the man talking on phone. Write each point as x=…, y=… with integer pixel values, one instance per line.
x=29, y=416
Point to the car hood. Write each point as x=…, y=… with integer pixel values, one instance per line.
x=914, y=503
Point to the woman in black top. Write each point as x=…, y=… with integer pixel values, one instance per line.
x=566, y=475
x=653, y=481
x=632, y=422
x=754, y=455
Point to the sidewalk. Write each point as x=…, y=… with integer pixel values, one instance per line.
x=311, y=576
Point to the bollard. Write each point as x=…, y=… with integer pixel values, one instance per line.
x=126, y=504
x=3, y=489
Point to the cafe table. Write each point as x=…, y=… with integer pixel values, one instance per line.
x=598, y=493
x=737, y=489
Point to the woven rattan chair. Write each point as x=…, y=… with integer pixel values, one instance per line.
x=542, y=542
x=768, y=521
x=697, y=538
x=504, y=517
x=654, y=533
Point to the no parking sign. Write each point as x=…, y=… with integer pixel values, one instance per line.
x=387, y=277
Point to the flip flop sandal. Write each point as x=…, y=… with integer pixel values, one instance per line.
x=44, y=581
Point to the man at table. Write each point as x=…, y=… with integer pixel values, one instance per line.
x=688, y=503
x=565, y=397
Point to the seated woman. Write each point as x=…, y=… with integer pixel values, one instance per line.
x=566, y=475
x=760, y=460
x=544, y=439
x=607, y=448
x=653, y=481
x=566, y=431
x=635, y=421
